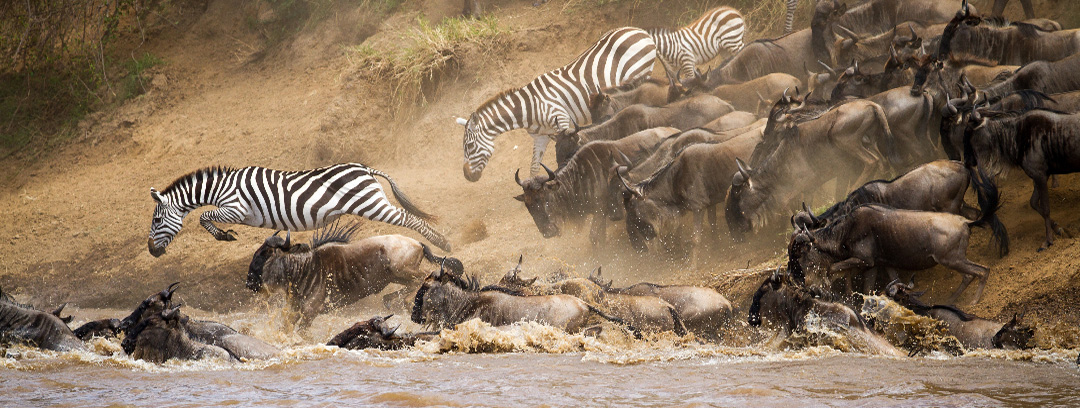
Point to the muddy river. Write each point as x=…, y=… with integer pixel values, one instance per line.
x=530, y=365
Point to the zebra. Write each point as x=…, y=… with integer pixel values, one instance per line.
x=557, y=101
x=283, y=200
x=682, y=50
x=789, y=17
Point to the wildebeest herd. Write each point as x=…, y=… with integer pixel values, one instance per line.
x=883, y=89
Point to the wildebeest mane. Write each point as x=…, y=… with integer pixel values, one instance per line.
x=859, y=196
x=335, y=232
x=189, y=179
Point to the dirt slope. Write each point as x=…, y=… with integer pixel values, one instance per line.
x=74, y=223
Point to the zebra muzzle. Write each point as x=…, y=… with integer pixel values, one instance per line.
x=154, y=250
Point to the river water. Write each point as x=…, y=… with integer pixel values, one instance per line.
x=533, y=365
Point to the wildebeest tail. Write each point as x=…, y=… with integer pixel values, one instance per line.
x=989, y=202
x=679, y=328
x=402, y=198
x=889, y=145
x=616, y=320
x=450, y=263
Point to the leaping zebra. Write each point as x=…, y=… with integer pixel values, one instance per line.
x=682, y=50
x=289, y=200
x=557, y=101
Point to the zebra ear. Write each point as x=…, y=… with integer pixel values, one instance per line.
x=462, y=121
x=156, y=195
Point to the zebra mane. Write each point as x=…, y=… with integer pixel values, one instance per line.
x=335, y=232
x=497, y=97
x=187, y=178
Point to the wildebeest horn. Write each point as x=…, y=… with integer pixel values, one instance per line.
x=626, y=183
x=848, y=32
x=828, y=68
x=517, y=177
x=521, y=257
x=288, y=239
x=626, y=160
x=551, y=174
x=855, y=64
x=949, y=104
x=965, y=9
x=806, y=70
x=804, y=207
x=743, y=169
x=784, y=97
x=168, y=292
x=913, y=34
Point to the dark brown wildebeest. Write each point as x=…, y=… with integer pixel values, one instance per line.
x=703, y=310
x=846, y=140
x=899, y=43
x=1046, y=77
x=336, y=270
x=875, y=235
x=163, y=336
x=872, y=17
x=446, y=299
x=21, y=323
x=98, y=328
x=1042, y=143
x=972, y=331
x=645, y=312
x=937, y=186
x=695, y=181
x=911, y=120
x=238, y=345
x=758, y=94
x=674, y=144
x=1016, y=44
x=585, y=186
x=376, y=333
x=790, y=308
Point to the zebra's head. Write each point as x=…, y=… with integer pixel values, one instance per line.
x=168, y=219
x=478, y=144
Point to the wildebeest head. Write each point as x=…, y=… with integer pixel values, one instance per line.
x=765, y=294
x=642, y=213
x=441, y=297
x=272, y=246
x=513, y=280
x=742, y=202
x=596, y=278
x=167, y=319
x=538, y=194
x=154, y=304
x=806, y=218
x=602, y=107
x=98, y=328
x=371, y=333
x=168, y=219
x=960, y=22
x=1014, y=335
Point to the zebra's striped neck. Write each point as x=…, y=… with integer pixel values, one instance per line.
x=509, y=110
x=207, y=186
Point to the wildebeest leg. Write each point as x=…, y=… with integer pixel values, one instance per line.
x=540, y=143
x=970, y=270
x=1040, y=202
x=844, y=266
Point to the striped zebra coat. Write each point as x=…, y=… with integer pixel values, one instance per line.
x=557, y=101
x=684, y=49
x=284, y=200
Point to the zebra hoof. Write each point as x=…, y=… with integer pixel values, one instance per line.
x=229, y=235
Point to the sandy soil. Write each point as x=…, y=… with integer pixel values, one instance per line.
x=75, y=221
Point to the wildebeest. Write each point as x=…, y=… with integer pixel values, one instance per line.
x=375, y=333
x=1046, y=77
x=875, y=235
x=873, y=49
x=756, y=95
x=937, y=186
x=646, y=91
x=336, y=270
x=98, y=328
x=787, y=54
x=685, y=114
x=584, y=185
x=675, y=143
x=644, y=312
x=21, y=323
x=730, y=121
x=1015, y=44
x=703, y=310
x=240, y=346
x=873, y=17
x=972, y=331
x=695, y=181
x=846, y=140
x=1042, y=143
x=788, y=306
x=162, y=336
x=446, y=299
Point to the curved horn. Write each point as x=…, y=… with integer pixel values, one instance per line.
x=743, y=168
x=847, y=32
x=517, y=177
x=784, y=97
x=626, y=183
x=913, y=34
x=521, y=257
x=551, y=174
x=952, y=108
x=625, y=159
x=288, y=239
x=827, y=67
x=168, y=292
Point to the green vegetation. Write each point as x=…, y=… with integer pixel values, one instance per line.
x=430, y=50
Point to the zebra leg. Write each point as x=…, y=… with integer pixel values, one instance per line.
x=540, y=143
x=225, y=215
x=789, y=18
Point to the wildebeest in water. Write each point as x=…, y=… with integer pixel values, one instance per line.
x=336, y=270
x=972, y=331
x=21, y=323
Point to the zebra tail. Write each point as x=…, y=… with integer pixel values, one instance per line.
x=616, y=320
x=402, y=198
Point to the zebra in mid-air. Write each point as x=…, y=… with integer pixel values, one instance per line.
x=283, y=200
x=682, y=50
x=557, y=101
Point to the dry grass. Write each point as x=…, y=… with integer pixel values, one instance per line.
x=429, y=51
